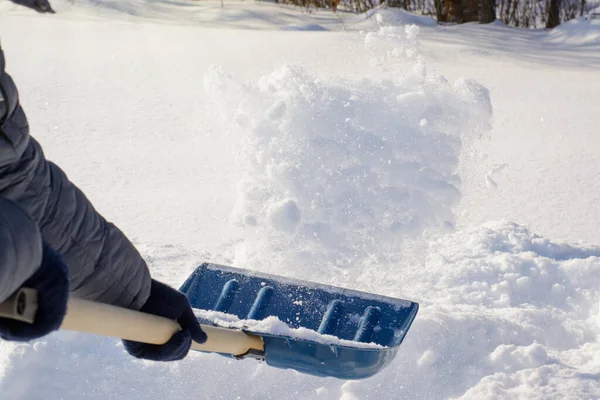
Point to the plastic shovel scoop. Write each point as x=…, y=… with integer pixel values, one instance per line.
x=315, y=329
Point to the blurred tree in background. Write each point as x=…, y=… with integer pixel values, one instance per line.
x=519, y=13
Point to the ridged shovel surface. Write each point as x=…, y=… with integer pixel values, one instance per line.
x=331, y=331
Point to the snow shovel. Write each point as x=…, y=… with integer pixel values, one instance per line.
x=314, y=329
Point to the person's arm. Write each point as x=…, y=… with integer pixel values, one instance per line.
x=20, y=248
x=25, y=261
x=103, y=264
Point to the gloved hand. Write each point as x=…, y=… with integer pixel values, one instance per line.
x=41, y=6
x=170, y=303
x=52, y=283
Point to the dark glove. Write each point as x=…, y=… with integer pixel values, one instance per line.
x=170, y=303
x=41, y=6
x=52, y=283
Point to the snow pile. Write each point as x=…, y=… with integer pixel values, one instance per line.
x=398, y=17
x=340, y=169
x=515, y=278
x=580, y=30
x=504, y=313
x=535, y=343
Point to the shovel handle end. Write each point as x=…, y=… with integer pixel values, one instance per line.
x=21, y=305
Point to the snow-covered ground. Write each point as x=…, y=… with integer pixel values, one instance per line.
x=455, y=166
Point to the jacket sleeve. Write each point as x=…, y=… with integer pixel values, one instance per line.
x=103, y=264
x=20, y=248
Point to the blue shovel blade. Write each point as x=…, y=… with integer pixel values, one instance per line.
x=359, y=333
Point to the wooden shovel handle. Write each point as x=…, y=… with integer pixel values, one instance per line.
x=107, y=320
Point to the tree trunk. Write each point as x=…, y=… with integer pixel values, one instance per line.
x=461, y=11
x=553, y=14
x=470, y=10
x=487, y=14
x=439, y=11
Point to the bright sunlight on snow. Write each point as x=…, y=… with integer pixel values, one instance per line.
x=452, y=165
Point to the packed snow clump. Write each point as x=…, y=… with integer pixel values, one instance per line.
x=272, y=325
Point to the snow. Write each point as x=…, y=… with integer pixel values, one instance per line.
x=585, y=29
x=398, y=17
x=275, y=327
x=336, y=171
x=455, y=166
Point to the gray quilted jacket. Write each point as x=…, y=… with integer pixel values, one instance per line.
x=20, y=247
x=103, y=264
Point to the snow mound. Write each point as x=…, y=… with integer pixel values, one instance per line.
x=580, y=30
x=339, y=169
x=527, y=271
x=462, y=344
x=398, y=17
x=488, y=296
